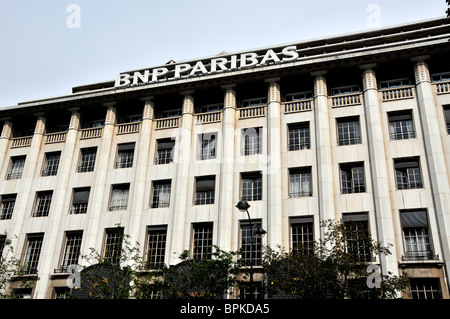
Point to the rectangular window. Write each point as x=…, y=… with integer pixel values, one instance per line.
x=87, y=160
x=251, y=189
x=425, y=288
x=302, y=235
x=80, y=200
x=357, y=237
x=252, y=141
x=119, y=197
x=447, y=117
x=207, y=146
x=299, y=136
x=71, y=250
x=7, y=206
x=348, y=130
x=308, y=95
x=42, y=205
x=345, y=90
x=352, y=178
x=202, y=241
x=156, y=250
x=164, y=153
x=51, y=164
x=407, y=173
x=161, y=194
x=300, y=184
x=204, y=190
x=16, y=168
x=254, y=102
x=415, y=232
x=125, y=155
x=251, y=243
x=32, y=253
x=113, y=245
x=401, y=125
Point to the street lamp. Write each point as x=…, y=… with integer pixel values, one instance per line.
x=243, y=205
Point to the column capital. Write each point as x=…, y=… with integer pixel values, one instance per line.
x=271, y=80
x=228, y=86
x=421, y=71
x=73, y=109
x=147, y=98
x=421, y=58
x=110, y=104
x=187, y=92
x=367, y=66
x=319, y=73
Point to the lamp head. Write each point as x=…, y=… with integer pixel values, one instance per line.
x=243, y=205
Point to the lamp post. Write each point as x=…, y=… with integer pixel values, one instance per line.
x=243, y=205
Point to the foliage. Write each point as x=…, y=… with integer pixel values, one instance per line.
x=205, y=278
x=332, y=268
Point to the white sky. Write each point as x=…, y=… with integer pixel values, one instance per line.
x=41, y=55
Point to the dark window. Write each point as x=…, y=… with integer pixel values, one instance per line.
x=7, y=206
x=300, y=184
x=125, y=155
x=250, y=243
x=164, y=153
x=87, y=160
x=207, y=146
x=251, y=186
x=32, y=253
x=299, y=136
x=425, y=288
x=348, y=130
x=352, y=178
x=42, y=206
x=416, y=237
x=252, y=141
x=80, y=200
x=16, y=168
x=113, y=245
x=204, y=190
x=119, y=197
x=401, y=125
x=407, y=173
x=72, y=248
x=156, y=236
x=202, y=241
x=357, y=237
x=51, y=164
x=302, y=235
x=161, y=194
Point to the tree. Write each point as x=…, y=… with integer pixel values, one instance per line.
x=335, y=267
x=205, y=278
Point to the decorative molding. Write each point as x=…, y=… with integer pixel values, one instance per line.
x=369, y=79
x=320, y=83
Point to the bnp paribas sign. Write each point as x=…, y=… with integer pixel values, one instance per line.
x=214, y=65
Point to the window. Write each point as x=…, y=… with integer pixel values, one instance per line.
x=16, y=168
x=207, y=146
x=211, y=108
x=401, y=125
x=132, y=118
x=298, y=136
x=394, y=83
x=425, y=288
x=202, y=241
x=302, y=235
x=407, y=173
x=113, y=245
x=156, y=237
x=438, y=77
x=352, y=178
x=447, y=117
x=252, y=141
x=348, y=131
x=87, y=160
x=161, y=194
x=415, y=232
x=32, y=253
x=300, y=182
x=250, y=242
x=42, y=206
x=80, y=200
x=299, y=96
x=119, y=197
x=51, y=164
x=254, y=102
x=345, y=90
x=170, y=113
x=164, y=153
x=7, y=206
x=71, y=250
x=204, y=190
x=61, y=293
x=357, y=236
x=251, y=186
x=125, y=155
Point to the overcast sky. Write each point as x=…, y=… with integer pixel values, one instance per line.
x=49, y=46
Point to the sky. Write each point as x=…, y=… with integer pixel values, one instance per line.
x=49, y=46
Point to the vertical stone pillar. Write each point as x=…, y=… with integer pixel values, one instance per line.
x=378, y=169
x=434, y=155
x=61, y=195
x=323, y=148
x=98, y=199
x=6, y=134
x=142, y=149
x=226, y=187
x=182, y=159
x=35, y=147
x=274, y=193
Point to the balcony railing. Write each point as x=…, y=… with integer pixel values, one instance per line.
x=298, y=106
x=404, y=92
x=92, y=132
x=443, y=87
x=55, y=137
x=252, y=111
x=168, y=122
x=420, y=255
x=21, y=141
x=346, y=99
x=208, y=117
x=127, y=128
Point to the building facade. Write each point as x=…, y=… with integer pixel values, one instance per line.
x=353, y=127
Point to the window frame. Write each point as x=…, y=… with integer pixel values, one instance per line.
x=353, y=188
x=252, y=177
x=297, y=132
x=347, y=132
